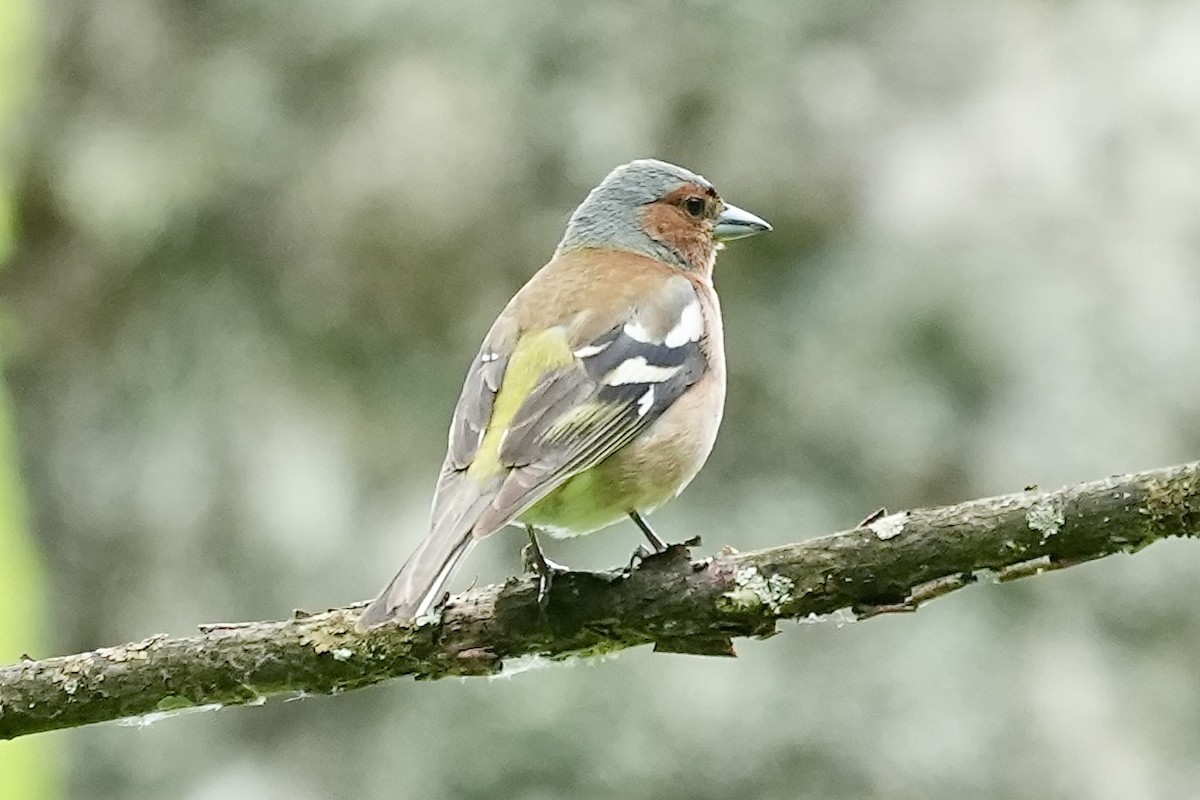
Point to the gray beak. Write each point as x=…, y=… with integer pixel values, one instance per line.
x=735, y=223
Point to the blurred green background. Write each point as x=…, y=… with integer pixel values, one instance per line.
x=256, y=244
x=28, y=769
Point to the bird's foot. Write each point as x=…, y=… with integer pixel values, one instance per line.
x=536, y=562
x=641, y=554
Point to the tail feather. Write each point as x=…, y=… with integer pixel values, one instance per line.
x=418, y=584
x=454, y=529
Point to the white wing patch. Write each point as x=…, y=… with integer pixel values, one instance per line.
x=645, y=401
x=591, y=350
x=638, y=370
x=689, y=328
x=638, y=332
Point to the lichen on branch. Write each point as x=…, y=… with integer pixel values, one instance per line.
x=892, y=563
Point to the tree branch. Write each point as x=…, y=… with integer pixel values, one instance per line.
x=893, y=563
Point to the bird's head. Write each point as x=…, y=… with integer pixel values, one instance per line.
x=660, y=210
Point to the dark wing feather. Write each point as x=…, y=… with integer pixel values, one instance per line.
x=574, y=419
x=474, y=407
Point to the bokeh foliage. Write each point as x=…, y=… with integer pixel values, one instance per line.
x=259, y=242
x=27, y=769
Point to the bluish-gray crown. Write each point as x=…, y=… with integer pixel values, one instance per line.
x=610, y=216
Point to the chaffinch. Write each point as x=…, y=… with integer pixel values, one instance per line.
x=597, y=393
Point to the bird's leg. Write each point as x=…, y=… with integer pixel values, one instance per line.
x=535, y=557
x=543, y=567
x=655, y=540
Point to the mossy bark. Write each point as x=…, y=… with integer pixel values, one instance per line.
x=679, y=604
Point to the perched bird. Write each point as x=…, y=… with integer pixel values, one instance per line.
x=598, y=391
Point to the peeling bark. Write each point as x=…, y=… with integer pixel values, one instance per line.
x=893, y=563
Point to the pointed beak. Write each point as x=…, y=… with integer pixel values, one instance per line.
x=735, y=223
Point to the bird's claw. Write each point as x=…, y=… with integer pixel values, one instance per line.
x=640, y=554
x=536, y=562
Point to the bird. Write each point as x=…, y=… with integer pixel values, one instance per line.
x=597, y=393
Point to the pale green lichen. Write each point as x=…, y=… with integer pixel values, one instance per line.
x=597, y=654
x=1169, y=504
x=1023, y=569
x=510, y=667
x=147, y=720
x=839, y=617
x=1046, y=517
x=430, y=617
x=69, y=674
x=324, y=639
x=174, y=702
x=134, y=651
x=889, y=527
x=752, y=590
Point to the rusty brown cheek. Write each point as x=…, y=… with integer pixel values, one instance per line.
x=672, y=226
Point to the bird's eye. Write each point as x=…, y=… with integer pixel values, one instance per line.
x=694, y=206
